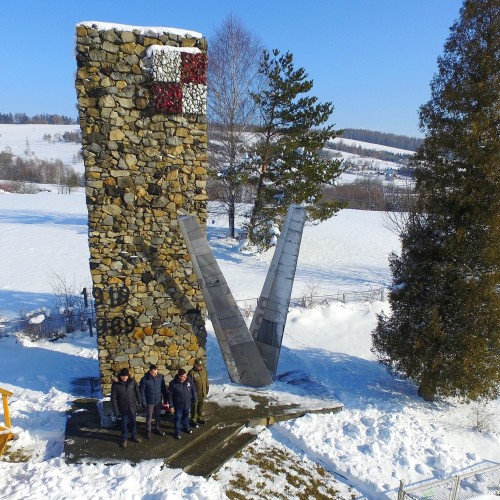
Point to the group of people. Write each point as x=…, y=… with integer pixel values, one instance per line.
x=184, y=395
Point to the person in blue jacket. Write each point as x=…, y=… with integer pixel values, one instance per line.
x=181, y=393
x=153, y=393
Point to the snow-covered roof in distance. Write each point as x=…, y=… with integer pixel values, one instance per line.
x=142, y=29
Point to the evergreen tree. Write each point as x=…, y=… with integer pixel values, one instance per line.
x=286, y=165
x=444, y=331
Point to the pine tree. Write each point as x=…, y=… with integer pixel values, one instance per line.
x=444, y=331
x=286, y=164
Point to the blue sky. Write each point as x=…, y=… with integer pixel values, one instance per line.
x=374, y=59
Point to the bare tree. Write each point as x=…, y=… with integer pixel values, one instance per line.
x=233, y=74
x=403, y=207
x=68, y=299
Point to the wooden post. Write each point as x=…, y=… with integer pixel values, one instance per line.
x=5, y=394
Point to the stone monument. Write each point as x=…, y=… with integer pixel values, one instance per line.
x=142, y=110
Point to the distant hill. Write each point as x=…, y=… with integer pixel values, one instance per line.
x=370, y=150
x=358, y=134
x=383, y=138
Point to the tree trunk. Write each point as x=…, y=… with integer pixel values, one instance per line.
x=427, y=391
x=231, y=217
x=257, y=206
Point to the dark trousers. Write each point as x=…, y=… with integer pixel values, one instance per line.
x=181, y=415
x=153, y=410
x=126, y=420
x=197, y=410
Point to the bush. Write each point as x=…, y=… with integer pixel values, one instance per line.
x=73, y=136
x=309, y=296
x=19, y=187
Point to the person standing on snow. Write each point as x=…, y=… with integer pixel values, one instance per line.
x=125, y=398
x=181, y=393
x=199, y=376
x=153, y=392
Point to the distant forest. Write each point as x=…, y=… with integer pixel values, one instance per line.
x=383, y=138
x=44, y=119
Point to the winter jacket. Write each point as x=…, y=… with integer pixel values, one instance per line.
x=200, y=380
x=153, y=389
x=181, y=394
x=125, y=396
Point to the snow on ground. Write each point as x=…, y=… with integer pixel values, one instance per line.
x=384, y=434
x=45, y=235
x=18, y=137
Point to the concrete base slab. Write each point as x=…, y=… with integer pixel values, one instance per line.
x=92, y=436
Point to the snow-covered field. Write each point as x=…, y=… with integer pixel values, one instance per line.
x=369, y=145
x=368, y=166
x=21, y=137
x=384, y=434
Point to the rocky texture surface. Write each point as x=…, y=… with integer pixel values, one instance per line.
x=143, y=168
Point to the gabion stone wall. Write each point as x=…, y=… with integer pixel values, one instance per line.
x=141, y=102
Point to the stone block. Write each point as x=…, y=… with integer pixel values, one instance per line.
x=116, y=135
x=139, y=334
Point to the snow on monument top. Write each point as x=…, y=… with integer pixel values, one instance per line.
x=143, y=30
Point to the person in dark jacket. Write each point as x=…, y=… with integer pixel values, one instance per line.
x=199, y=376
x=181, y=393
x=153, y=391
x=125, y=398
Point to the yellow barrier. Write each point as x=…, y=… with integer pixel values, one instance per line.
x=5, y=433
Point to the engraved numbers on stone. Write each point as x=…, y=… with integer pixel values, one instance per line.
x=117, y=325
x=116, y=296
